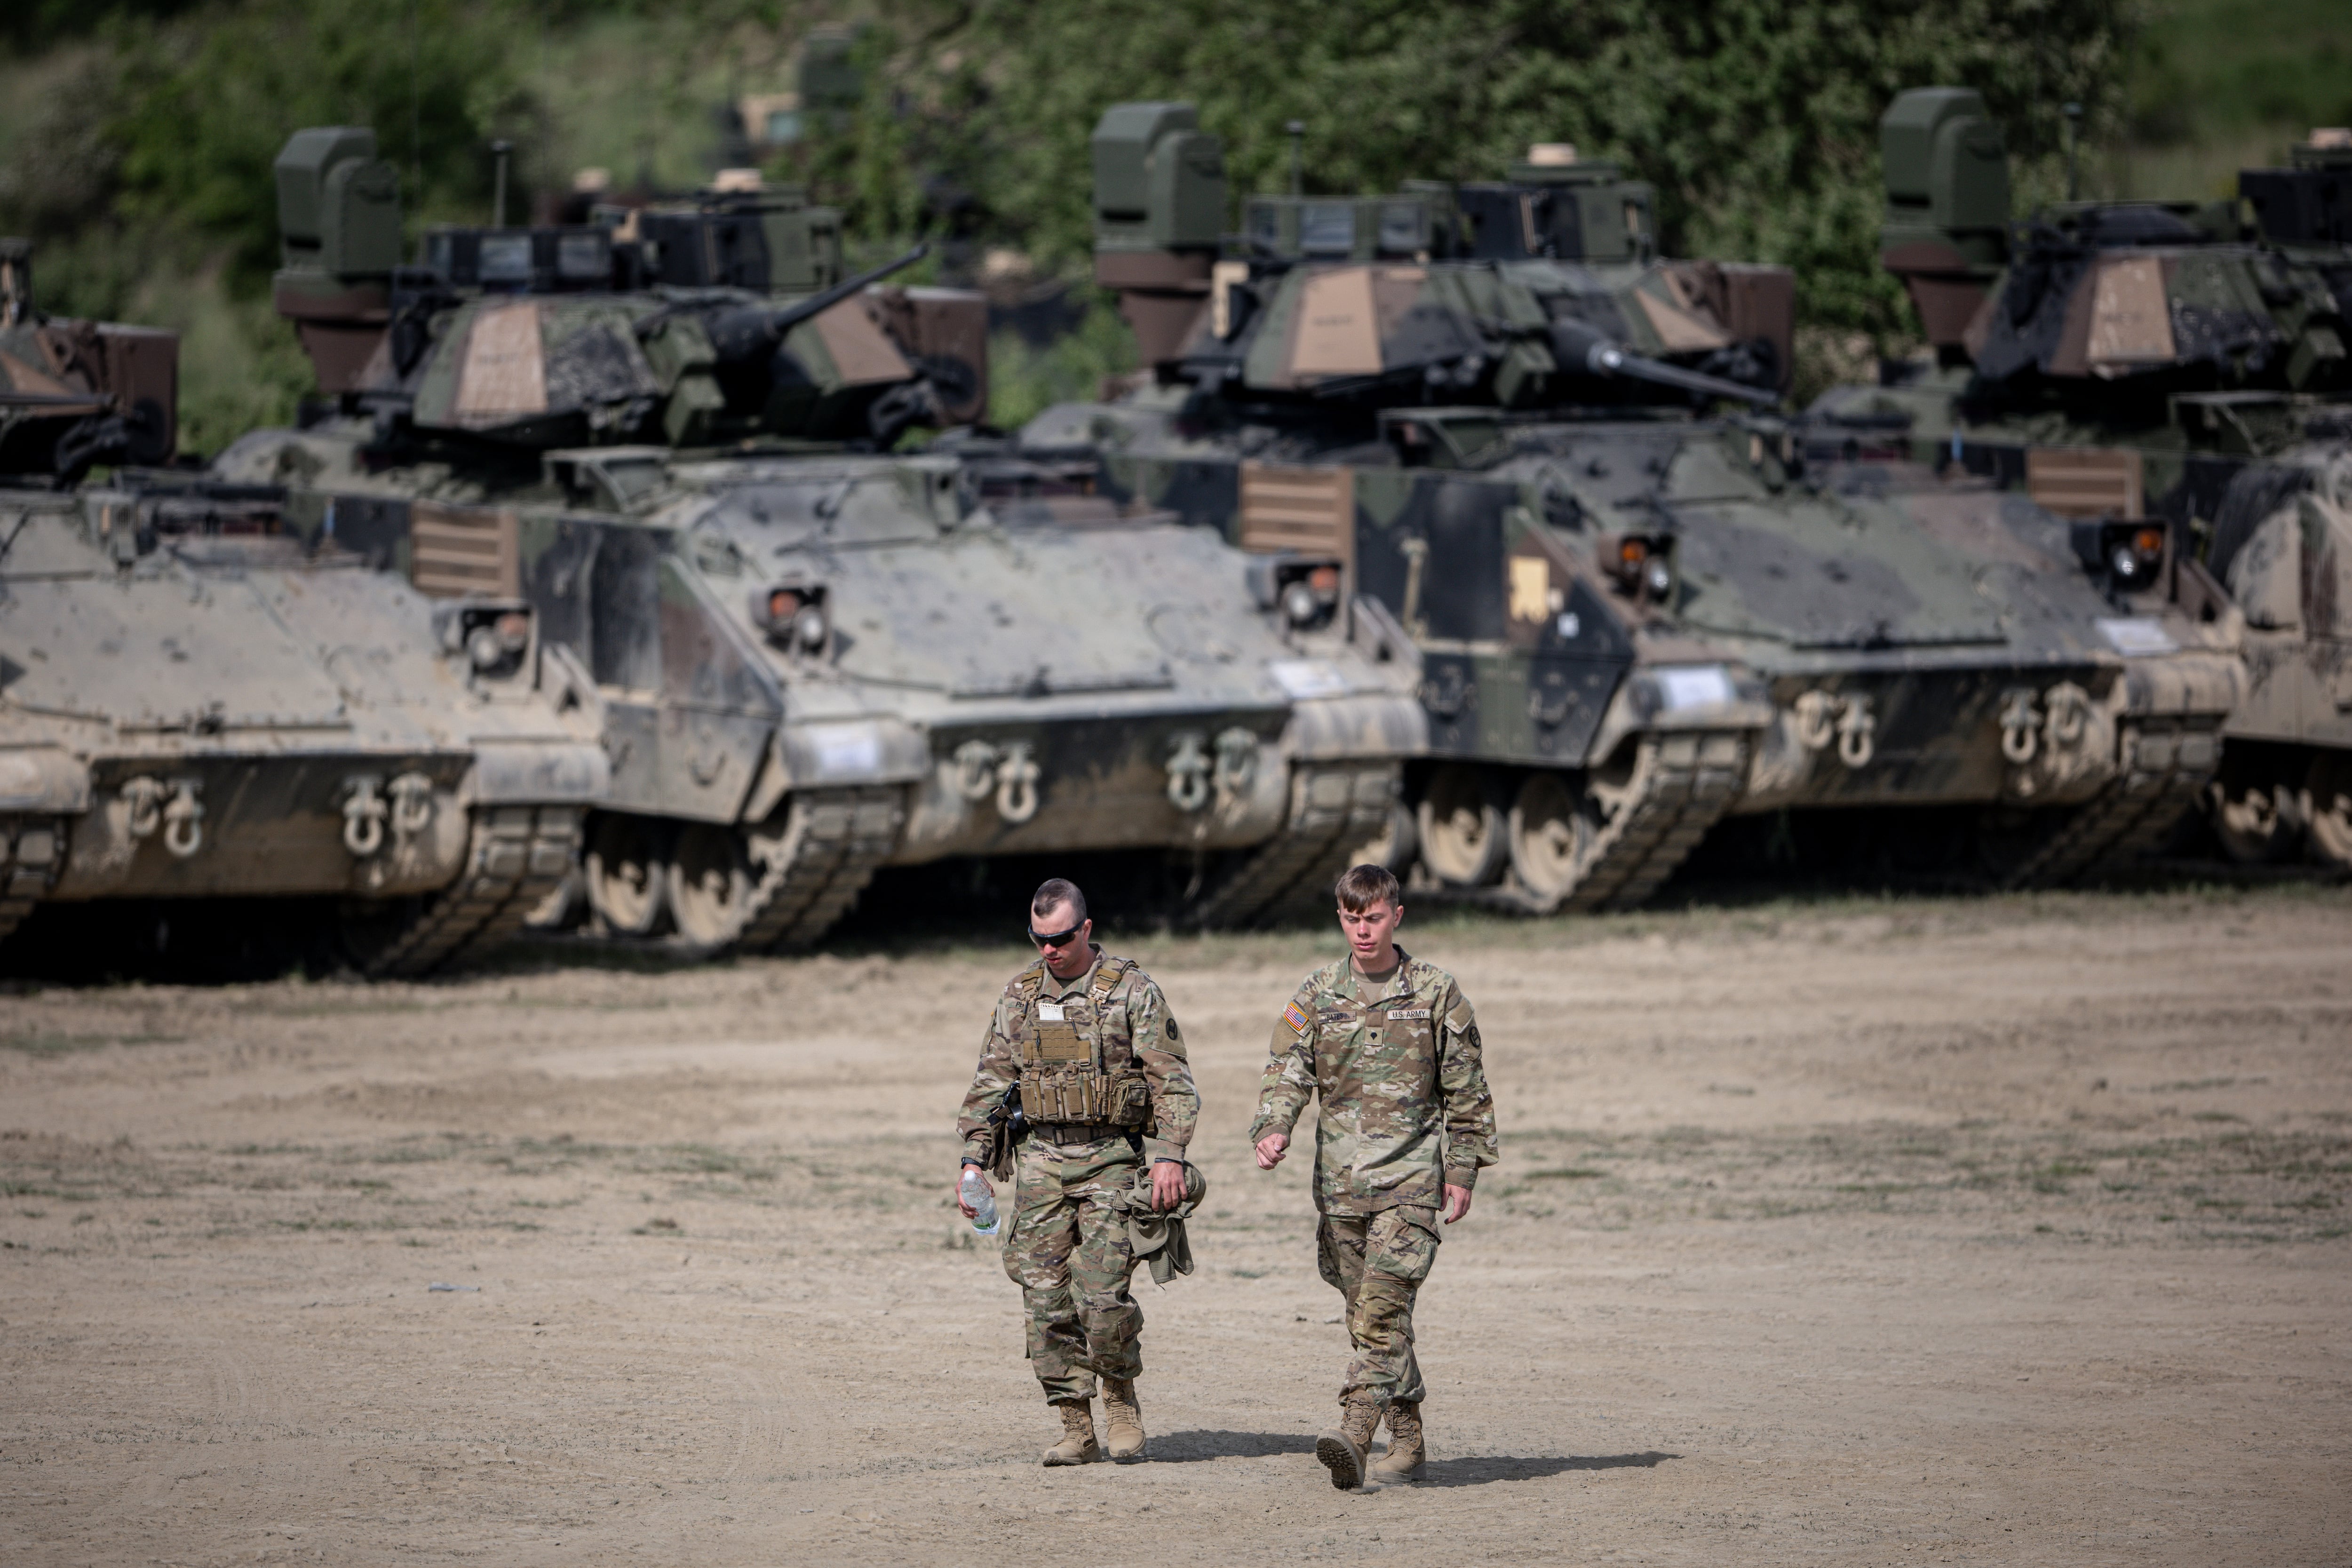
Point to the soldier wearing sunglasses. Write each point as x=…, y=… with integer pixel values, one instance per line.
x=1089, y=1043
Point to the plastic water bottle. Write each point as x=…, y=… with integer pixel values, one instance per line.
x=981, y=1197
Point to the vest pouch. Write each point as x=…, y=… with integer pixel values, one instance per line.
x=1061, y=1042
x=1046, y=1098
x=1130, y=1100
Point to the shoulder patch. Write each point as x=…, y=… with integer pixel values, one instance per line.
x=1295, y=1016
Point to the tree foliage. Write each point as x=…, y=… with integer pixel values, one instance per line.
x=166, y=139
x=1755, y=119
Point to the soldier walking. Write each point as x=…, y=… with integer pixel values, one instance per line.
x=1088, y=1043
x=1389, y=1044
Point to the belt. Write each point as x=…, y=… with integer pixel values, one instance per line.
x=1075, y=1132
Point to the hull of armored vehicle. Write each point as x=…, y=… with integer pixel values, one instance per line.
x=194, y=705
x=2264, y=523
x=810, y=668
x=1628, y=630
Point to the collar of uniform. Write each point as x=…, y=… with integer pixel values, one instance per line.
x=1055, y=987
x=1399, y=978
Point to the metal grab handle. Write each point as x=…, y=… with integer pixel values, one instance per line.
x=1816, y=713
x=412, y=804
x=1857, y=726
x=2070, y=714
x=1236, y=762
x=1016, y=785
x=1187, y=775
x=1415, y=551
x=183, y=819
x=2021, y=726
x=144, y=796
x=975, y=770
x=363, y=816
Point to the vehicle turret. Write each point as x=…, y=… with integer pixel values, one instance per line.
x=1539, y=290
x=715, y=319
x=2094, y=301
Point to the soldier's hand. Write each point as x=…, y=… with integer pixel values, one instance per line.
x=1167, y=1184
x=1270, y=1150
x=1457, y=1202
x=962, y=1208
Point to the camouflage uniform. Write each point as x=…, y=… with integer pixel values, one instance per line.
x=1405, y=1113
x=1068, y=1248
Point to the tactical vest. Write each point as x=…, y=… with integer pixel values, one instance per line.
x=1077, y=1064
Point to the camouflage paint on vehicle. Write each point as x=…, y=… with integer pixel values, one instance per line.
x=196, y=703
x=812, y=664
x=1630, y=620
x=2171, y=375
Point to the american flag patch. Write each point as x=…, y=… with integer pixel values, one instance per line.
x=1295, y=1016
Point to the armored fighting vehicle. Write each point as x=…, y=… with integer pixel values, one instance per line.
x=812, y=664
x=2173, y=378
x=1632, y=617
x=196, y=703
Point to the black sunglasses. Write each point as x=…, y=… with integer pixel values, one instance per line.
x=1055, y=939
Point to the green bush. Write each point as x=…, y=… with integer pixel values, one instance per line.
x=1025, y=381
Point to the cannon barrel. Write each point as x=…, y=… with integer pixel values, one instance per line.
x=741, y=332
x=1580, y=348
x=783, y=321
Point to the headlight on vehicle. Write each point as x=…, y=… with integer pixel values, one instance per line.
x=493, y=636
x=1641, y=564
x=791, y=615
x=2129, y=554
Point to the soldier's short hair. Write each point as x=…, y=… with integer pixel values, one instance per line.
x=1361, y=887
x=1056, y=892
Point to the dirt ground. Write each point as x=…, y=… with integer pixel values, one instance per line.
x=1979, y=1231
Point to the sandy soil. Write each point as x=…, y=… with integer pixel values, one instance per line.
x=2006, y=1231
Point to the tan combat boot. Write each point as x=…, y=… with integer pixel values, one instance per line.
x=1122, y=1419
x=1342, y=1447
x=1077, y=1446
x=1405, y=1456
